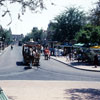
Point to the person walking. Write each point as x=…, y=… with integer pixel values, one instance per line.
x=47, y=53
x=70, y=56
x=11, y=47
x=96, y=60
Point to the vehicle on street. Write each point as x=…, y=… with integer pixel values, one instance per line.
x=31, y=53
x=20, y=43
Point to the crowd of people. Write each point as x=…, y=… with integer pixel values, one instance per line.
x=75, y=54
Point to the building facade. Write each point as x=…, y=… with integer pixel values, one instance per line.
x=17, y=38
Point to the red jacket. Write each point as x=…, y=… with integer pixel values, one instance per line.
x=46, y=51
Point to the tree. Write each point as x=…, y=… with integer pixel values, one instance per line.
x=35, y=34
x=95, y=15
x=8, y=36
x=1, y=32
x=32, y=5
x=5, y=35
x=89, y=34
x=26, y=38
x=51, y=30
x=67, y=24
x=95, y=35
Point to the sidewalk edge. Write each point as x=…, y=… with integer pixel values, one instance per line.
x=4, y=51
x=76, y=67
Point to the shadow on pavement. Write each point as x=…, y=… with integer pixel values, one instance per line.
x=20, y=63
x=12, y=97
x=80, y=63
x=26, y=67
x=82, y=94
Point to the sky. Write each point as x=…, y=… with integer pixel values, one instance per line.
x=41, y=20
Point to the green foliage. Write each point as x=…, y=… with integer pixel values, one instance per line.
x=8, y=36
x=36, y=35
x=51, y=30
x=5, y=35
x=67, y=24
x=26, y=38
x=32, y=5
x=88, y=34
x=95, y=14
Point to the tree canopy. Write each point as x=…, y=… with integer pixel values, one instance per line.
x=89, y=34
x=36, y=35
x=5, y=35
x=32, y=5
x=95, y=14
x=67, y=24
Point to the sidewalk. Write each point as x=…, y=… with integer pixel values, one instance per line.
x=76, y=64
x=50, y=90
x=2, y=51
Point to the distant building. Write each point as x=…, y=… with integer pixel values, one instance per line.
x=17, y=37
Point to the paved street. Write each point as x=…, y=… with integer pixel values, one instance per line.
x=53, y=80
x=11, y=68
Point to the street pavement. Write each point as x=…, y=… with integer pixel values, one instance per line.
x=72, y=63
x=12, y=68
x=44, y=84
x=76, y=64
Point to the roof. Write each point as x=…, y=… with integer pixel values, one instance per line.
x=32, y=44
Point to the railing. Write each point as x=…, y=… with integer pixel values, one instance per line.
x=3, y=95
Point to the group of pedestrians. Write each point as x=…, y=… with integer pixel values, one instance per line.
x=71, y=56
x=82, y=57
x=50, y=52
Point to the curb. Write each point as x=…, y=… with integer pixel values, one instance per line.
x=76, y=67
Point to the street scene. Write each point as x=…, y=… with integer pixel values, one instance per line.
x=49, y=49
x=63, y=80
x=50, y=69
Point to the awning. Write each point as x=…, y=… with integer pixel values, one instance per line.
x=66, y=45
x=95, y=47
x=78, y=45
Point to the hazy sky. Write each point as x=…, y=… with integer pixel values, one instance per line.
x=41, y=20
